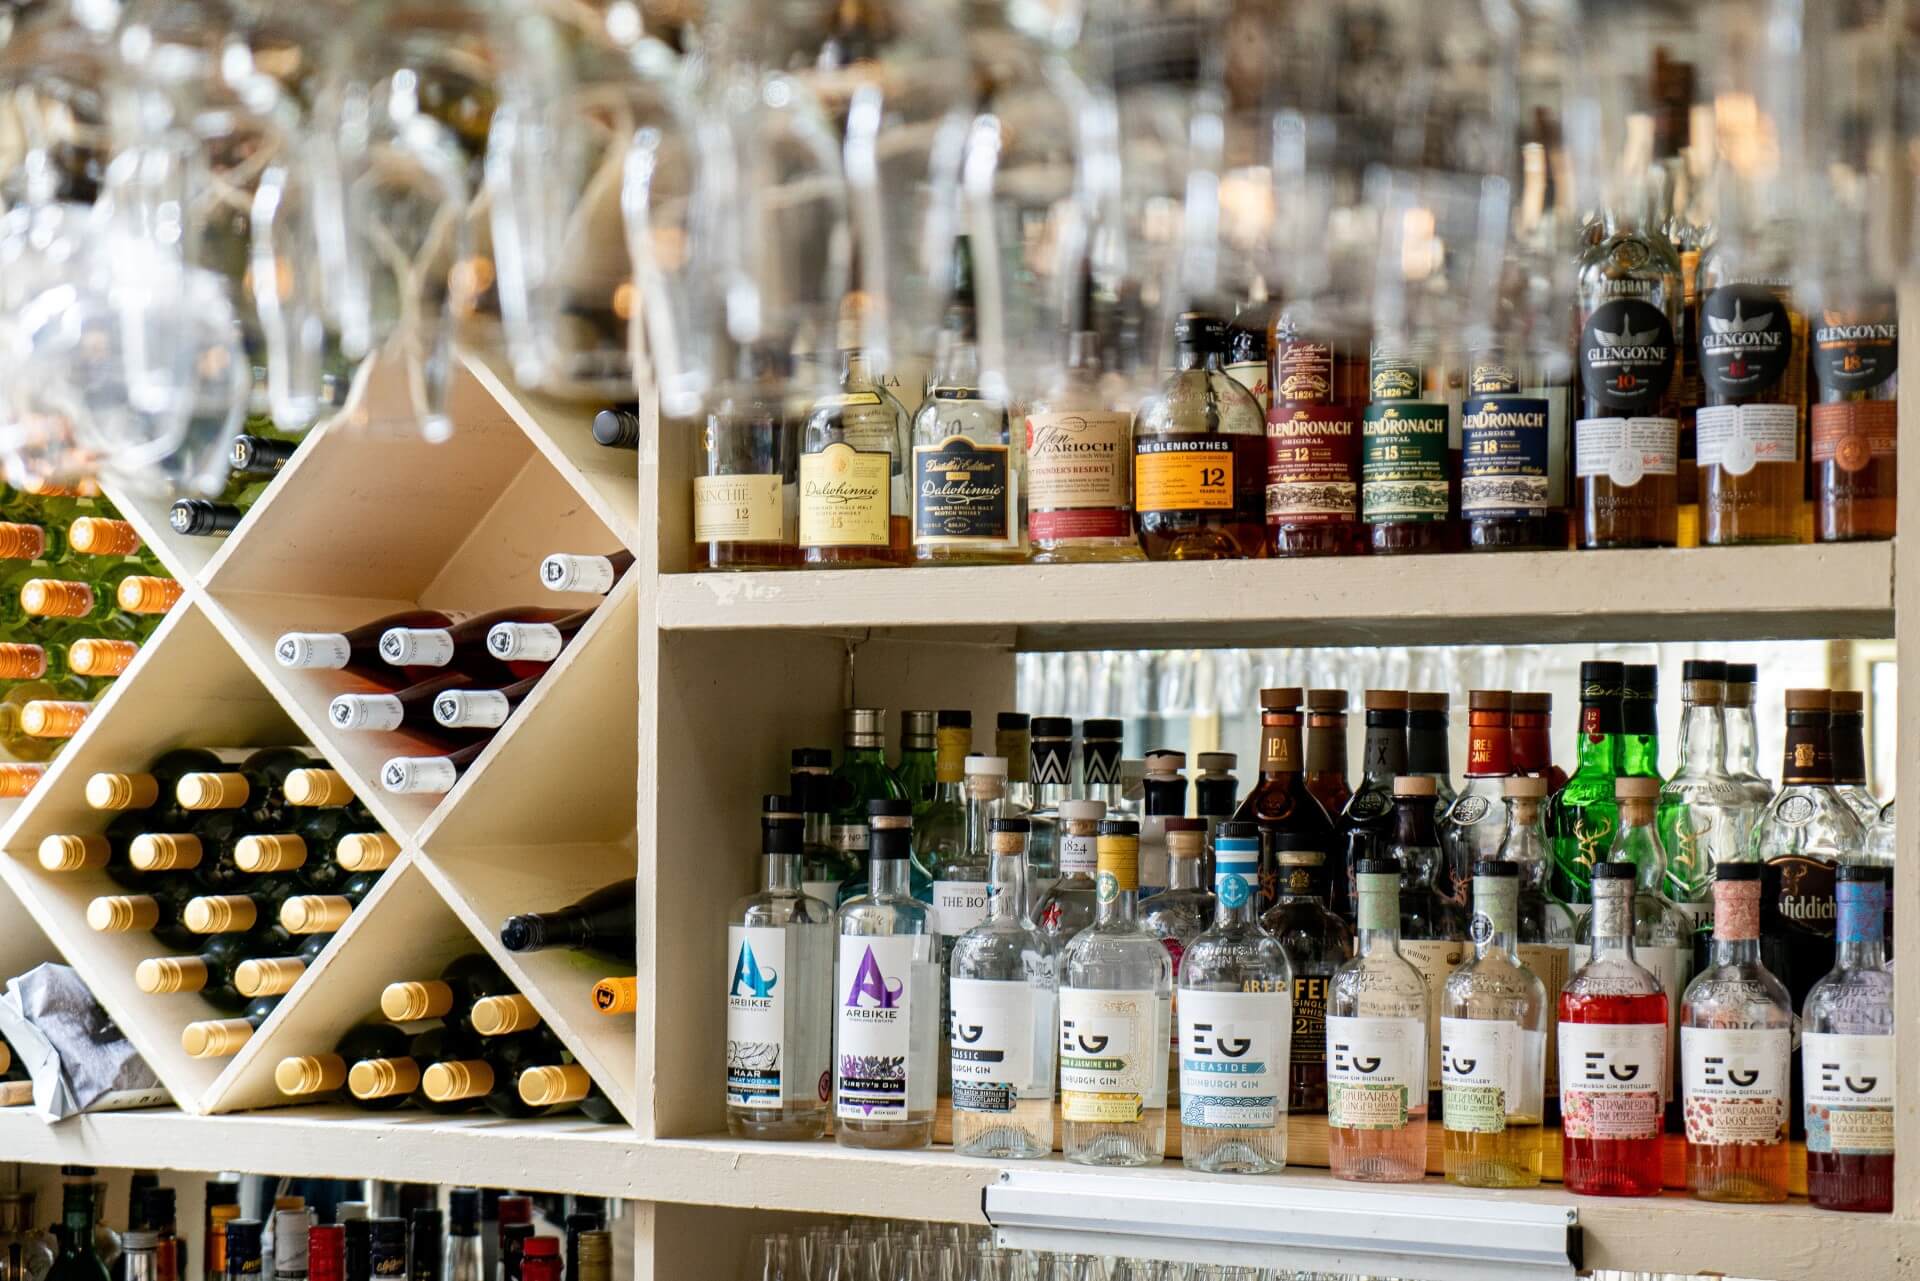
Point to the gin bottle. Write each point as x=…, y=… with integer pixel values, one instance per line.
x=960, y=875
x=1051, y=769
x=1236, y=1021
x=1743, y=737
x=1736, y=1033
x=1004, y=1001
x=940, y=830
x=1070, y=905
x=1848, y=733
x=861, y=778
x=1317, y=943
x=1433, y=928
x=1476, y=822
x=1847, y=1057
x=1377, y=1045
x=1879, y=848
x=779, y=951
x=1116, y=993
x=919, y=759
x=1582, y=815
x=1705, y=816
x=1178, y=914
x=1493, y=1046
x=823, y=867
x=887, y=1000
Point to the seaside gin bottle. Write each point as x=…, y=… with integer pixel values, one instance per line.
x=1116, y=994
x=1847, y=1051
x=1377, y=1044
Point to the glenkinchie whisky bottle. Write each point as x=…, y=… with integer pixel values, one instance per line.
x=746, y=482
x=854, y=495
x=1377, y=1016
x=1856, y=388
x=1847, y=1057
x=1318, y=943
x=1280, y=802
x=1751, y=425
x=1313, y=446
x=1199, y=460
x=1582, y=814
x=1404, y=480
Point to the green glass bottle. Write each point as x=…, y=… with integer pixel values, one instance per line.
x=1582, y=815
x=919, y=762
x=1640, y=722
x=861, y=777
x=78, y=1260
x=823, y=869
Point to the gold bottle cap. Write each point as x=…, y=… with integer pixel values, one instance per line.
x=499, y=1015
x=546, y=1087
x=289, y=1203
x=6, y=1056
x=21, y=541
x=99, y=657
x=269, y=976
x=22, y=662
x=123, y=913
x=145, y=594
x=215, y=1038
x=366, y=851
x=74, y=853
x=18, y=778
x=317, y=787
x=165, y=851
x=616, y=996
x=165, y=975
x=457, y=1079
x=383, y=1078
x=412, y=1002
x=221, y=914
x=280, y=853
x=122, y=791
x=302, y=1074
x=210, y=791
x=56, y=598
x=97, y=536
x=53, y=718
x=314, y=913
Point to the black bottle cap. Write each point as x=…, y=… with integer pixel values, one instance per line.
x=259, y=455
x=1377, y=865
x=1743, y=673
x=778, y=803
x=159, y=1207
x=1864, y=873
x=1119, y=827
x=79, y=1172
x=889, y=807
x=1736, y=872
x=1602, y=679
x=1238, y=832
x=1051, y=726
x=427, y=1228
x=243, y=1238
x=951, y=719
x=1614, y=871
x=1703, y=669
x=1012, y=825
x=463, y=1211
x=585, y=1221
x=811, y=757
x=1101, y=727
x=1012, y=721
x=1642, y=680
x=223, y=1192
x=387, y=1231
x=1496, y=868
x=1200, y=331
x=617, y=429
x=198, y=517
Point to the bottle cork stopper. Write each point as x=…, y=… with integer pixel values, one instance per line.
x=98, y=657
x=303, y=1074
x=215, y=1038
x=1414, y=785
x=1525, y=788
x=97, y=536
x=21, y=541
x=18, y=778
x=412, y=1002
x=269, y=976
x=616, y=996
x=1327, y=701
x=1633, y=788
x=499, y=1015
x=211, y=791
x=122, y=791
x=366, y=851
x=314, y=913
x=56, y=598
x=144, y=594
x=457, y=1079
x=53, y=718
x=165, y=975
x=1427, y=701
x=165, y=852
x=1284, y=699
x=1008, y=842
x=1849, y=700
x=1185, y=844
x=74, y=853
x=1489, y=700
x=1809, y=700
x=22, y=662
x=383, y=1078
x=317, y=787
x=220, y=914
x=546, y=1087
x=281, y=853
x=123, y=913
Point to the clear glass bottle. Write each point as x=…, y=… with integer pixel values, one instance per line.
x=1476, y=822
x=1200, y=456
x=1743, y=737
x=1736, y=1037
x=746, y=484
x=960, y=884
x=1546, y=926
x=1493, y=1046
x=1236, y=1024
x=1377, y=1044
x=1847, y=731
x=887, y=994
x=854, y=495
x=1116, y=994
x=1080, y=466
x=1614, y=1054
x=1070, y=905
x=1428, y=752
x=1433, y=928
x=1004, y=999
x=861, y=777
x=1705, y=815
x=823, y=867
x=919, y=759
x=1879, y=848
x=940, y=827
x=1013, y=740
x=1178, y=914
x=1318, y=943
x=1050, y=767
x=1847, y=1057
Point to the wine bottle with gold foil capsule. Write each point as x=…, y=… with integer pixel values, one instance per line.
x=209, y=974
x=307, y=1076
x=239, y=913
x=326, y=913
x=24, y=661
x=150, y=790
x=54, y=718
x=465, y=980
x=223, y=1038
x=502, y=1015
x=102, y=537
x=393, y=1080
x=99, y=658
x=276, y=975
x=366, y=851
x=19, y=778
x=308, y=852
x=148, y=594
x=617, y=995
x=564, y=1087
x=254, y=787
x=160, y=913
x=492, y=1075
x=109, y=851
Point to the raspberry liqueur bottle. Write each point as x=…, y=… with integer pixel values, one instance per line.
x=1377, y=1045
x=1847, y=1062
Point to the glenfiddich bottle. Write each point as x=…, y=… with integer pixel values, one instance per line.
x=1855, y=388
x=1313, y=446
x=1199, y=456
x=1404, y=479
x=1750, y=425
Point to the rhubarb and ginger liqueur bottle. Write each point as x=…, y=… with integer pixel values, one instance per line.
x=887, y=999
x=1846, y=1052
x=780, y=963
x=1493, y=1046
x=1236, y=1025
x=1613, y=1054
x=1280, y=802
x=1116, y=994
x=1377, y=1044
x=1736, y=1036
x=1200, y=456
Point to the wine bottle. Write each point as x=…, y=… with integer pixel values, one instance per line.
x=550, y=1088
x=561, y=572
x=255, y=461
x=54, y=718
x=24, y=541
x=241, y=913
x=527, y=646
x=466, y=980
x=308, y=853
x=432, y=775
x=601, y=924
x=462, y=644
x=101, y=537
x=161, y=912
x=366, y=852
x=408, y=711
x=617, y=428
x=490, y=1073
x=18, y=778
x=616, y=995
x=155, y=787
x=209, y=850
x=148, y=595
x=222, y=1038
x=302, y=1076
x=326, y=913
x=254, y=788
x=502, y=1015
x=374, y=1081
x=276, y=975
x=481, y=708
x=322, y=789
x=357, y=650
x=13, y=735
x=210, y=973
x=109, y=851
x=99, y=657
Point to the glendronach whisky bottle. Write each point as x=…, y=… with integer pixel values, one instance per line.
x=1750, y=427
x=746, y=484
x=1080, y=465
x=1404, y=476
x=1318, y=943
x=1280, y=802
x=1510, y=424
x=854, y=496
x=1847, y=1057
x=1327, y=748
x=1199, y=456
x=1313, y=446
x=1855, y=351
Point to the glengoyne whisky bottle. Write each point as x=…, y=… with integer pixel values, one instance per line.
x=1752, y=422
x=1377, y=1017
x=1854, y=449
x=1582, y=815
x=1080, y=466
x=1318, y=943
x=1280, y=802
x=1847, y=1057
x=1512, y=435
x=1404, y=481
x=1313, y=446
x=1199, y=456
x=746, y=483
x=854, y=496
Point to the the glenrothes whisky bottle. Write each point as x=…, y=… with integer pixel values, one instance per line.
x=1856, y=387
x=1200, y=456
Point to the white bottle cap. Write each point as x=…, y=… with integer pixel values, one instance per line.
x=530, y=642
x=372, y=712
x=407, y=775
x=472, y=709
x=563, y=573
x=306, y=650
x=417, y=646
x=990, y=765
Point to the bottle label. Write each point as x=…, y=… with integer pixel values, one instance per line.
x=827, y=892
x=738, y=509
x=1113, y=1055
x=845, y=497
x=1626, y=355
x=1391, y=376
x=1436, y=959
x=1234, y=1052
x=1078, y=855
x=1077, y=475
x=1855, y=357
x=1746, y=342
x=1801, y=889
x=1376, y=1069
x=1183, y=475
x=1305, y=374
x=1738, y=438
x=1849, y=1088
x=849, y=838
x=1252, y=374
x=1610, y=1079
x=1736, y=1084
x=965, y=495
x=1626, y=450
x=1403, y=463
x=1548, y=961
x=1673, y=966
x=756, y=1017
x=958, y=906
x=1853, y=433
x=1309, y=1041
x=1311, y=452
x=874, y=1044
x=1480, y=1074
x=992, y=1038
x=1504, y=458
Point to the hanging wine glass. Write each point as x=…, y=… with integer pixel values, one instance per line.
x=55, y=63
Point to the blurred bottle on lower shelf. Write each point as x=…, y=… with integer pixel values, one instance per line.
x=600, y=924
x=223, y=1038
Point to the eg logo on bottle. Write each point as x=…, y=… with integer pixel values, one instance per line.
x=1081, y=1042
x=1345, y=1060
x=873, y=995
x=1205, y=1043
x=1717, y=1071
x=1595, y=1067
x=750, y=982
x=1833, y=1080
x=1456, y=1065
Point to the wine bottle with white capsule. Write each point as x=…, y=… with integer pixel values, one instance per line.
x=429, y=775
x=54, y=718
x=595, y=574
x=462, y=644
x=18, y=778
x=481, y=708
x=404, y=711
x=526, y=647
x=357, y=650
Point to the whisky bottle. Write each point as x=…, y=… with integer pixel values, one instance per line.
x=1856, y=387
x=617, y=428
x=1248, y=360
x=1404, y=479
x=1080, y=466
x=746, y=483
x=1383, y=757
x=1327, y=748
x=861, y=777
x=1476, y=822
x=1279, y=801
x=1317, y=943
x=854, y=492
x=1582, y=815
x=1427, y=751
x=1313, y=445
x=1639, y=721
x=1163, y=797
x=1200, y=456
x=590, y=575
x=1512, y=433
x=1216, y=796
x=1751, y=425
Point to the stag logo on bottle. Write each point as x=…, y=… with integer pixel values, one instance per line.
x=1746, y=340
x=1805, y=895
x=1627, y=355
x=1854, y=352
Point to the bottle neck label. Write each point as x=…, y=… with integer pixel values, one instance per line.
x=1236, y=872
x=1496, y=904
x=1077, y=855
x=1862, y=912
x=1379, y=895
x=1489, y=751
x=1280, y=748
x=1808, y=757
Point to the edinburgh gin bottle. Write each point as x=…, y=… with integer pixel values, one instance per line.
x=1847, y=1057
x=1200, y=455
x=1377, y=1045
